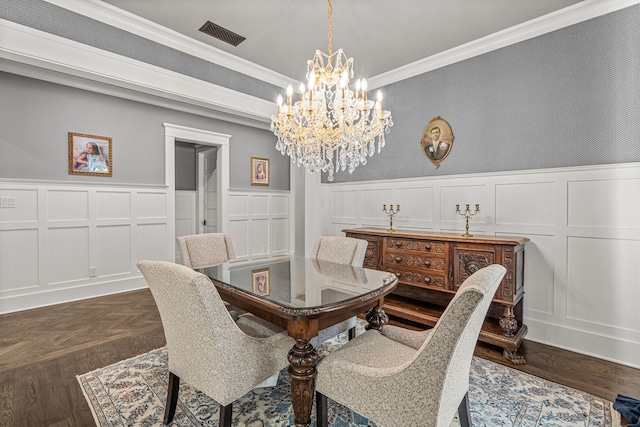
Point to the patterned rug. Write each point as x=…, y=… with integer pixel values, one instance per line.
x=132, y=393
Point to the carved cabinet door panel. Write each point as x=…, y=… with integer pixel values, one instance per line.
x=467, y=261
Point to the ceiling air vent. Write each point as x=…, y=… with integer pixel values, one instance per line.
x=221, y=33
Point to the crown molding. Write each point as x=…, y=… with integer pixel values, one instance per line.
x=142, y=27
x=570, y=15
x=41, y=55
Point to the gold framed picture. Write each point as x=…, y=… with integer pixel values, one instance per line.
x=259, y=171
x=437, y=140
x=90, y=154
x=260, y=284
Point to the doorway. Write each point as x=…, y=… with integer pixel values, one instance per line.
x=218, y=165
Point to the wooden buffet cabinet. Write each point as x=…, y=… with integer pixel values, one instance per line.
x=432, y=266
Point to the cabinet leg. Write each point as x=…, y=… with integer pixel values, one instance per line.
x=508, y=322
x=514, y=357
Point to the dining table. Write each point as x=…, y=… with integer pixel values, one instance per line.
x=304, y=296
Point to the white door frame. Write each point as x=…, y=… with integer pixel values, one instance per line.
x=203, y=137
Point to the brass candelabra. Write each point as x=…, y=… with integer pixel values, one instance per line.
x=391, y=212
x=467, y=214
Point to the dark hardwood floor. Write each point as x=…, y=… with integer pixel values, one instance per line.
x=42, y=351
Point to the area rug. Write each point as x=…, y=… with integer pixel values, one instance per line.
x=132, y=393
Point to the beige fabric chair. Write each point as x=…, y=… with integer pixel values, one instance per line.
x=199, y=251
x=222, y=358
x=205, y=250
x=340, y=250
x=406, y=378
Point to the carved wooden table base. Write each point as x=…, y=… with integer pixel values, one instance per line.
x=302, y=370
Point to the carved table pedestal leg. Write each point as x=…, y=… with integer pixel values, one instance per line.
x=302, y=370
x=376, y=318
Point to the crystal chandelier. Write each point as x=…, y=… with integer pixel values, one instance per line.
x=331, y=127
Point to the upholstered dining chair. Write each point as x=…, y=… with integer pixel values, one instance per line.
x=199, y=251
x=221, y=357
x=399, y=377
x=340, y=250
x=205, y=250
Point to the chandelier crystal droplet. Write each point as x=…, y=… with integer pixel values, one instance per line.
x=331, y=127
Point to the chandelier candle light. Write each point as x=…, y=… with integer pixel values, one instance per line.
x=331, y=127
x=391, y=212
x=467, y=214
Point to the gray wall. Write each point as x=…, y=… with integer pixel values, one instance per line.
x=36, y=116
x=56, y=20
x=567, y=98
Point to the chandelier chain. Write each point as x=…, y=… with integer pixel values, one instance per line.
x=330, y=34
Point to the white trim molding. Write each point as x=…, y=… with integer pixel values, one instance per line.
x=42, y=55
x=570, y=15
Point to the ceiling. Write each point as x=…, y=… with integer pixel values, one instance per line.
x=381, y=35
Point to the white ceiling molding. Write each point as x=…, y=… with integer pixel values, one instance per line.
x=49, y=57
x=142, y=27
x=553, y=21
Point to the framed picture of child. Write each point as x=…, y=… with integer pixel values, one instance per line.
x=89, y=154
x=260, y=282
x=259, y=171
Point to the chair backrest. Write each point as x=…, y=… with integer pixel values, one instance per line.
x=341, y=250
x=203, y=341
x=444, y=359
x=205, y=250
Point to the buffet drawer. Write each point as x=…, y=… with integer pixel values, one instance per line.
x=411, y=260
x=432, y=247
x=418, y=278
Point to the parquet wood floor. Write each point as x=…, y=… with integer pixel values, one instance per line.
x=42, y=351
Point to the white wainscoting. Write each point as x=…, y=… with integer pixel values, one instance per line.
x=259, y=223
x=582, y=265
x=67, y=241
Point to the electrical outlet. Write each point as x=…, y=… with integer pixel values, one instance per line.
x=93, y=271
x=264, y=249
x=7, y=202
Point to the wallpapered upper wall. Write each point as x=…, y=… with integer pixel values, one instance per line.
x=567, y=98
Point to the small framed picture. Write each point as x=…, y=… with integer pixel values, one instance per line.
x=89, y=154
x=259, y=171
x=260, y=282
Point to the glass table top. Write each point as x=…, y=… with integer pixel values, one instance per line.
x=298, y=282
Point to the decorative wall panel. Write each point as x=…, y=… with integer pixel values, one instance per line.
x=68, y=254
x=372, y=201
x=67, y=205
x=581, y=264
x=25, y=205
x=113, y=205
x=113, y=250
x=526, y=203
x=594, y=203
x=152, y=205
x=344, y=204
x=416, y=204
x=602, y=281
x=19, y=263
